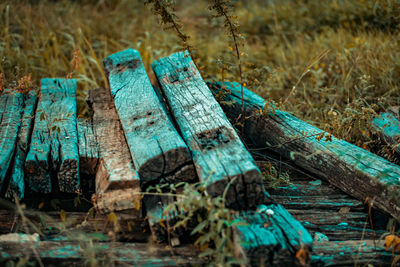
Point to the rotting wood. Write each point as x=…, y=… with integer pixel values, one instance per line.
x=16, y=186
x=351, y=253
x=75, y=225
x=88, y=148
x=271, y=237
x=116, y=176
x=53, y=150
x=220, y=157
x=157, y=149
x=116, y=253
x=10, y=121
x=352, y=169
x=387, y=125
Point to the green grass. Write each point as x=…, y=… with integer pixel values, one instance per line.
x=333, y=63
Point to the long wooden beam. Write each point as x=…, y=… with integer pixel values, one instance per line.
x=221, y=159
x=11, y=106
x=156, y=147
x=16, y=187
x=54, y=151
x=354, y=170
x=116, y=177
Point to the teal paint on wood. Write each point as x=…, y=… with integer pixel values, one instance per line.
x=11, y=106
x=156, y=147
x=16, y=187
x=352, y=169
x=54, y=146
x=387, y=125
x=271, y=234
x=218, y=153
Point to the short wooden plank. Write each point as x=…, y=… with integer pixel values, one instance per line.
x=10, y=122
x=54, y=146
x=220, y=157
x=88, y=147
x=16, y=187
x=156, y=147
x=116, y=253
x=271, y=236
x=115, y=168
x=354, y=170
x=387, y=125
x=351, y=253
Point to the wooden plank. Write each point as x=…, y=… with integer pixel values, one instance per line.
x=88, y=147
x=156, y=147
x=58, y=253
x=115, y=171
x=387, y=125
x=53, y=151
x=271, y=237
x=218, y=153
x=351, y=253
x=344, y=165
x=10, y=121
x=16, y=187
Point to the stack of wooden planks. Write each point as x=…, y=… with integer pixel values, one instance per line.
x=141, y=136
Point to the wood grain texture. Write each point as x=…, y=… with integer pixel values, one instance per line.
x=218, y=153
x=16, y=186
x=352, y=169
x=11, y=107
x=58, y=253
x=271, y=237
x=54, y=147
x=387, y=124
x=115, y=169
x=156, y=147
x=88, y=147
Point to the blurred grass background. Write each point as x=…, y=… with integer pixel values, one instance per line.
x=333, y=63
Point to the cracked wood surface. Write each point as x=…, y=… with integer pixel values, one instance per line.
x=116, y=175
x=157, y=149
x=11, y=106
x=52, y=162
x=16, y=187
x=220, y=157
x=354, y=170
x=271, y=236
x=387, y=125
x=88, y=148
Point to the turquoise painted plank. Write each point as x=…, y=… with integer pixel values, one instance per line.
x=11, y=106
x=16, y=187
x=354, y=170
x=53, y=155
x=271, y=234
x=387, y=125
x=157, y=149
x=220, y=157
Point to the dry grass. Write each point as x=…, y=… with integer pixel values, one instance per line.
x=333, y=63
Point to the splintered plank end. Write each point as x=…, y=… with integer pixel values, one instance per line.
x=219, y=155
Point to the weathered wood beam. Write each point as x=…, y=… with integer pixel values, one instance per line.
x=88, y=147
x=16, y=187
x=220, y=157
x=116, y=253
x=387, y=125
x=351, y=253
x=156, y=147
x=271, y=236
x=11, y=106
x=116, y=176
x=53, y=151
x=354, y=170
